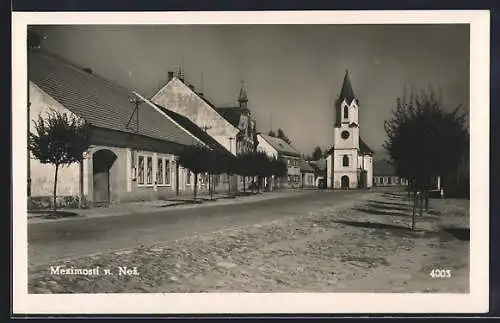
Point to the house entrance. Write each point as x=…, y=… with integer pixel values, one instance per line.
x=102, y=161
x=344, y=182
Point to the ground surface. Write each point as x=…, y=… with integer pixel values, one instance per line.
x=318, y=242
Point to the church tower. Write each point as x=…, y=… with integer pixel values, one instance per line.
x=345, y=155
x=243, y=97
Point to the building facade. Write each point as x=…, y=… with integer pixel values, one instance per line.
x=384, y=175
x=132, y=156
x=279, y=149
x=233, y=127
x=350, y=160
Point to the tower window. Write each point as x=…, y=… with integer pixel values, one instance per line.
x=345, y=161
x=346, y=113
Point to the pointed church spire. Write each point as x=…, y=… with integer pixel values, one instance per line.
x=346, y=93
x=243, y=93
x=243, y=97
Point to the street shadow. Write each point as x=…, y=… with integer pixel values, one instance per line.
x=408, y=213
x=388, y=207
x=48, y=214
x=374, y=225
x=387, y=203
x=381, y=212
x=462, y=234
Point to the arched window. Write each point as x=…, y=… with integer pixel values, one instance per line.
x=346, y=112
x=345, y=161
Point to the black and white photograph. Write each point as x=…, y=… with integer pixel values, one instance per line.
x=252, y=157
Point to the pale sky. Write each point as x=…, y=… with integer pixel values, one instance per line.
x=293, y=73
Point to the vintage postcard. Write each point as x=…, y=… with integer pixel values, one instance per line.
x=251, y=162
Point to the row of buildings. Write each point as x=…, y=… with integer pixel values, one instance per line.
x=135, y=140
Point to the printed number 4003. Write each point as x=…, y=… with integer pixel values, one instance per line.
x=440, y=273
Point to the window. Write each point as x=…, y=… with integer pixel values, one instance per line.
x=159, y=172
x=167, y=172
x=389, y=180
x=188, y=177
x=140, y=170
x=345, y=161
x=346, y=112
x=149, y=171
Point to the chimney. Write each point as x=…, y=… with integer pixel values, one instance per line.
x=170, y=76
x=88, y=70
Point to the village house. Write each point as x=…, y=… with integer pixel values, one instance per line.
x=384, y=174
x=319, y=167
x=233, y=127
x=279, y=149
x=307, y=174
x=134, y=144
x=350, y=160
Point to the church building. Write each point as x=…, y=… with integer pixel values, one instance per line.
x=350, y=160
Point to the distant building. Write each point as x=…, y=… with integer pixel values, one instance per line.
x=132, y=152
x=307, y=174
x=384, y=174
x=350, y=160
x=279, y=149
x=319, y=167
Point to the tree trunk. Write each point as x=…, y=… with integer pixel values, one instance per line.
x=54, y=200
x=177, y=179
x=414, y=210
x=210, y=186
x=229, y=178
x=195, y=185
x=81, y=204
x=244, y=185
x=426, y=200
x=421, y=198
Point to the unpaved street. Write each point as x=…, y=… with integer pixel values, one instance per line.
x=359, y=243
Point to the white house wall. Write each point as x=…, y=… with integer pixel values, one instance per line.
x=178, y=97
x=42, y=175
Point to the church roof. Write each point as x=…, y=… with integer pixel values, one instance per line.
x=347, y=92
x=100, y=102
x=363, y=148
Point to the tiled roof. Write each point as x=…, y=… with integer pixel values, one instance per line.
x=305, y=167
x=98, y=101
x=320, y=164
x=195, y=130
x=231, y=114
x=281, y=146
x=383, y=167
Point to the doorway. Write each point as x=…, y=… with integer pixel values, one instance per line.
x=344, y=182
x=103, y=160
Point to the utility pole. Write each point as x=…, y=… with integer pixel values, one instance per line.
x=137, y=102
x=205, y=128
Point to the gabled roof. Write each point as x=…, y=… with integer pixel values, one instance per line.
x=100, y=102
x=383, y=167
x=305, y=167
x=319, y=164
x=195, y=130
x=281, y=146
